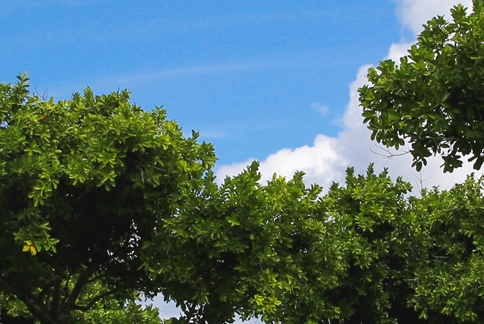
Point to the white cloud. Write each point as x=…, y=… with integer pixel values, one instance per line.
x=397, y=50
x=326, y=160
x=414, y=13
x=321, y=162
x=322, y=109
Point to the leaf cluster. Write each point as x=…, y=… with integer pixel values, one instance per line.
x=432, y=99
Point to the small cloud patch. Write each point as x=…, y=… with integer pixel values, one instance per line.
x=322, y=109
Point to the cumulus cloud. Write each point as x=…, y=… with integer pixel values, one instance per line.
x=321, y=162
x=397, y=50
x=327, y=158
x=414, y=13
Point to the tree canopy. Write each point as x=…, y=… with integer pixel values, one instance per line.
x=84, y=183
x=103, y=202
x=432, y=98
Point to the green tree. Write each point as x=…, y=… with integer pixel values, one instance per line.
x=101, y=201
x=84, y=183
x=374, y=225
x=292, y=255
x=109, y=310
x=407, y=259
x=252, y=248
x=432, y=98
x=449, y=279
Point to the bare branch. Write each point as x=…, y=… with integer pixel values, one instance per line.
x=388, y=155
x=420, y=181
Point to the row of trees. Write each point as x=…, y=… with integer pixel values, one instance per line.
x=102, y=201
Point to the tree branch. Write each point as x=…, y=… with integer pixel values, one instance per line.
x=56, y=279
x=96, y=299
x=56, y=298
x=96, y=278
x=388, y=154
x=80, y=283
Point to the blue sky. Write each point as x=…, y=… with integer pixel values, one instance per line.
x=251, y=76
x=269, y=80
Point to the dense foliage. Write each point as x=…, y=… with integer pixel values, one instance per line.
x=84, y=183
x=432, y=98
x=102, y=202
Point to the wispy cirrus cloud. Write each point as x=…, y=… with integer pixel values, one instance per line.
x=133, y=79
x=322, y=109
